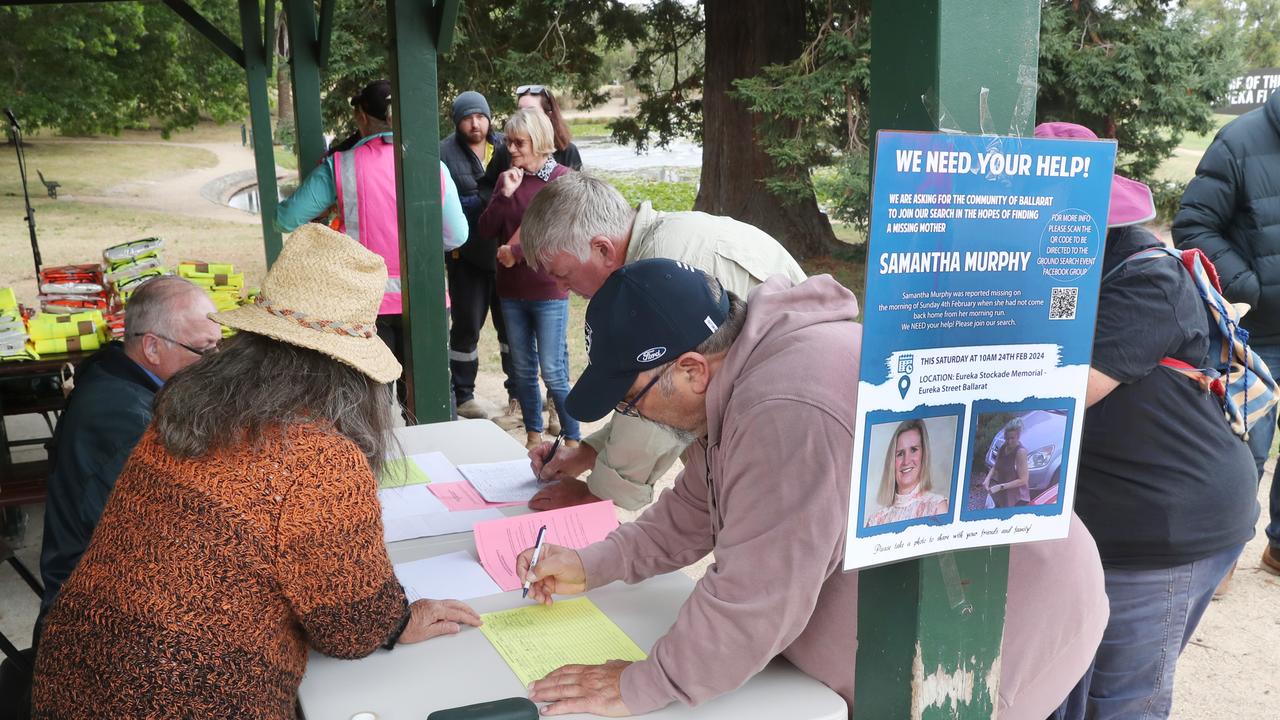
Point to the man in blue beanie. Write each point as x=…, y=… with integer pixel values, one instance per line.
x=471, y=268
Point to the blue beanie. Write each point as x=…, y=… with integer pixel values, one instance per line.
x=470, y=103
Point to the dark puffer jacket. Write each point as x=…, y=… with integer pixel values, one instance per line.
x=1231, y=211
x=105, y=416
x=468, y=172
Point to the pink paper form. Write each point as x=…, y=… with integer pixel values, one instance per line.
x=461, y=496
x=499, y=542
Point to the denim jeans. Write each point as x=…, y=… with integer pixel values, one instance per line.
x=1260, y=437
x=1153, y=615
x=536, y=332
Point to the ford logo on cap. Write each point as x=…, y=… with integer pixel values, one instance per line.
x=651, y=354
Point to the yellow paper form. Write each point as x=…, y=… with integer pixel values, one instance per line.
x=536, y=639
x=398, y=472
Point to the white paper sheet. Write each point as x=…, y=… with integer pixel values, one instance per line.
x=455, y=576
x=407, y=527
x=409, y=500
x=510, y=481
x=437, y=467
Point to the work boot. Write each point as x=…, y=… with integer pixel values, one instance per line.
x=477, y=409
x=532, y=439
x=1271, y=559
x=553, y=420
x=513, y=418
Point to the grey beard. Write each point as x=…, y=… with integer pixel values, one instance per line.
x=684, y=436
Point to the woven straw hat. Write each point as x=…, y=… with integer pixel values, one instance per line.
x=323, y=294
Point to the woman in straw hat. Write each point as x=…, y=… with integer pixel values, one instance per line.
x=245, y=528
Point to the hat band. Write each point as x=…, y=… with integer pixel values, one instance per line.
x=363, y=330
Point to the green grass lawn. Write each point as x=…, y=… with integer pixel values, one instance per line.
x=77, y=232
x=1201, y=142
x=94, y=168
x=285, y=158
x=589, y=128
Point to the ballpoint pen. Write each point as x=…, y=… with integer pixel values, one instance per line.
x=551, y=455
x=533, y=562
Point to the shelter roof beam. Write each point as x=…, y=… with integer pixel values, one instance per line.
x=207, y=29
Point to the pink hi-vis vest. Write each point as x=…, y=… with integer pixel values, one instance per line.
x=367, y=209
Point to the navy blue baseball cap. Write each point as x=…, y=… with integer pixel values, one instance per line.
x=646, y=314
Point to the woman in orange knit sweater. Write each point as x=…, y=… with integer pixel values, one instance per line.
x=245, y=527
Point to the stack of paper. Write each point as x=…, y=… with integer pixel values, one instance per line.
x=413, y=508
x=535, y=639
x=499, y=542
x=422, y=468
x=460, y=495
x=499, y=482
x=454, y=576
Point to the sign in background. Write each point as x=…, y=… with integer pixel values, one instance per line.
x=982, y=283
x=1250, y=91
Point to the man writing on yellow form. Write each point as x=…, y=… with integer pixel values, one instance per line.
x=766, y=391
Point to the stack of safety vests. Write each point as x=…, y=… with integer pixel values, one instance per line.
x=13, y=330
x=69, y=289
x=220, y=281
x=54, y=333
x=128, y=265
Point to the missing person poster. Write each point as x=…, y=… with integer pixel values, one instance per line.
x=983, y=270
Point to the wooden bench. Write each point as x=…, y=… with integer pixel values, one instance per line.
x=24, y=484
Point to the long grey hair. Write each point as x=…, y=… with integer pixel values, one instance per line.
x=256, y=385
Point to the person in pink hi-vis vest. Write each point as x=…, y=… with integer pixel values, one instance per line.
x=360, y=182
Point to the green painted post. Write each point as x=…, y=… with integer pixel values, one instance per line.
x=255, y=68
x=930, y=630
x=304, y=72
x=412, y=29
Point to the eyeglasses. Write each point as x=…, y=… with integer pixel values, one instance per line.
x=628, y=407
x=530, y=90
x=198, y=351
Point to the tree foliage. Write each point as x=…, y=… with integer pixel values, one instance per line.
x=497, y=47
x=1140, y=71
x=101, y=67
x=816, y=110
x=1253, y=26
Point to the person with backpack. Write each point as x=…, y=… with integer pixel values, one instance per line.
x=1231, y=211
x=1165, y=485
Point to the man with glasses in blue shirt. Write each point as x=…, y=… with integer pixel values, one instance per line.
x=167, y=328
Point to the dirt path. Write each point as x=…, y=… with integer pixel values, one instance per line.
x=180, y=193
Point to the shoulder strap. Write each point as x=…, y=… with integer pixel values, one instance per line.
x=1152, y=252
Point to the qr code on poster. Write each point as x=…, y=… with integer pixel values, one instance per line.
x=1062, y=303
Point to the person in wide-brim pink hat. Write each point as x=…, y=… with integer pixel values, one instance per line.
x=1131, y=201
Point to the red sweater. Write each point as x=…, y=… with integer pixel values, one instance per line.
x=501, y=220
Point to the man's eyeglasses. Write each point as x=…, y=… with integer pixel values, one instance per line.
x=628, y=407
x=530, y=90
x=198, y=351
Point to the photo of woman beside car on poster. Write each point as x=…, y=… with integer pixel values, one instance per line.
x=1017, y=459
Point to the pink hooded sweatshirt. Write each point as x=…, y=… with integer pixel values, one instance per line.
x=768, y=491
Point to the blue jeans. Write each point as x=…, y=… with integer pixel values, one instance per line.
x=536, y=332
x=1260, y=437
x=1153, y=614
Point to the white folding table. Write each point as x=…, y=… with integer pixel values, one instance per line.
x=411, y=681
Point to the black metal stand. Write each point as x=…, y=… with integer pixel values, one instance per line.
x=16, y=132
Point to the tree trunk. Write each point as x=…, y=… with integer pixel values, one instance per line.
x=284, y=93
x=284, y=83
x=741, y=38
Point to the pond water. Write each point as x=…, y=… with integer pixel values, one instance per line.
x=601, y=154
x=248, y=200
